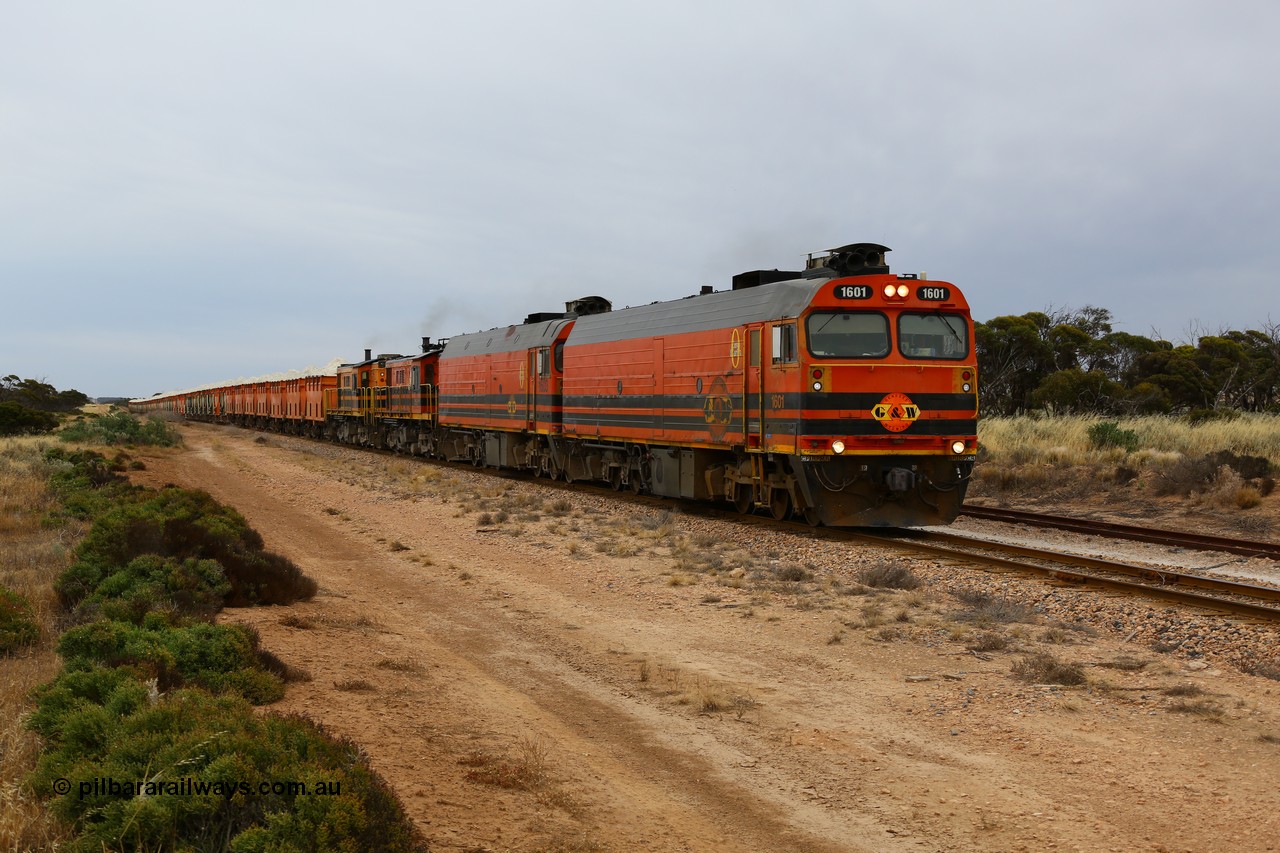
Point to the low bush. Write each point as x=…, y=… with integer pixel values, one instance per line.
x=86, y=483
x=888, y=576
x=150, y=583
x=1198, y=473
x=1195, y=417
x=206, y=773
x=121, y=428
x=156, y=700
x=17, y=419
x=1044, y=668
x=182, y=524
x=987, y=609
x=220, y=658
x=1107, y=434
x=17, y=625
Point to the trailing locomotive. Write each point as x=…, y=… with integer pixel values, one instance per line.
x=841, y=393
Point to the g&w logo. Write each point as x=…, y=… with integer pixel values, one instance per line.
x=895, y=412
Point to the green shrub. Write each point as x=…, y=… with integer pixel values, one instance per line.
x=183, y=524
x=121, y=428
x=214, y=753
x=118, y=690
x=220, y=658
x=190, y=587
x=17, y=419
x=1105, y=434
x=157, y=566
x=1196, y=417
x=85, y=483
x=17, y=627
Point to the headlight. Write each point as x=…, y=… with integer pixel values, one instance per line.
x=902, y=291
x=957, y=447
x=889, y=290
x=837, y=446
x=817, y=386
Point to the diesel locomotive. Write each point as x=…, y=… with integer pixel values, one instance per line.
x=841, y=393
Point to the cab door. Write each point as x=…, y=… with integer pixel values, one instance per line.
x=753, y=388
x=539, y=368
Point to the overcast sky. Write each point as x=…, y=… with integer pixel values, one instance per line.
x=192, y=192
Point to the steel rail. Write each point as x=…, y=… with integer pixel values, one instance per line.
x=1159, y=583
x=1157, y=536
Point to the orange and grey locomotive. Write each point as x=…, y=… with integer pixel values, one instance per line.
x=841, y=393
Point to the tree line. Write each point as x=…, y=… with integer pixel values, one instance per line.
x=32, y=406
x=1073, y=361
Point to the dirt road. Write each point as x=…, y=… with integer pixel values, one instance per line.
x=532, y=670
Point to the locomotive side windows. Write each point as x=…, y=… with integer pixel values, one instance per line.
x=414, y=376
x=544, y=362
x=784, y=344
x=935, y=335
x=558, y=354
x=847, y=334
x=755, y=348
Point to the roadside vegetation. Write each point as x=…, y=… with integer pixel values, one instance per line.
x=117, y=428
x=1070, y=407
x=1223, y=463
x=33, y=551
x=153, y=692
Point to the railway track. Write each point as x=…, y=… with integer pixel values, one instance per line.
x=1184, y=588
x=1218, y=594
x=1241, y=599
x=1221, y=595
x=1157, y=536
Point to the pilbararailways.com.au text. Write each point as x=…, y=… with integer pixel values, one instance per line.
x=187, y=787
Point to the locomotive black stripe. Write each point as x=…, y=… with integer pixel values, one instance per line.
x=808, y=400
x=587, y=421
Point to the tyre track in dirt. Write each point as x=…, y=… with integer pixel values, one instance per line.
x=627, y=788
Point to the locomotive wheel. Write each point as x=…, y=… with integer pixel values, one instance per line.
x=615, y=479
x=780, y=504
x=742, y=499
x=811, y=517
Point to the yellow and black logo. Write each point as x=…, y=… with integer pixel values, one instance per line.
x=895, y=412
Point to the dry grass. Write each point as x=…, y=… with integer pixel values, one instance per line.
x=988, y=641
x=1125, y=663
x=355, y=685
x=400, y=664
x=1265, y=669
x=31, y=557
x=1205, y=708
x=1219, y=464
x=1184, y=690
x=990, y=609
x=1044, y=668
x=524, y=769
x=1064, y=439
x=886, y=575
